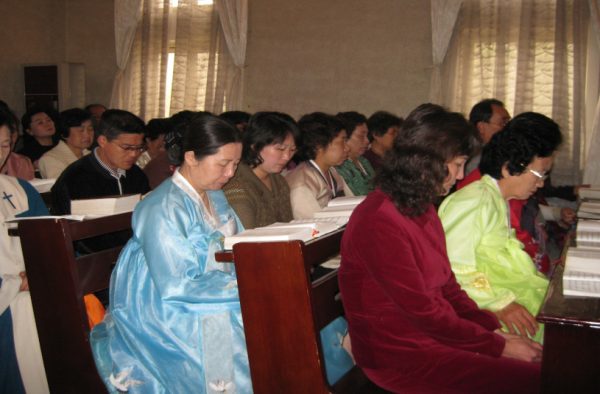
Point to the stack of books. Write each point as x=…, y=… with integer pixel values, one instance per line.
x=590, y=203
x=582, y=273
x=582, y=265
x=590, y=193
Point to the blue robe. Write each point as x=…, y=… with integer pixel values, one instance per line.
x=174, y=323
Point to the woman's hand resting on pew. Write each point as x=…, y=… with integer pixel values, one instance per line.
x=518, y=320
x=521, y=348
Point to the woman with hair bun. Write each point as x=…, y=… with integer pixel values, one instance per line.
x=412, y=328
x=175, y=322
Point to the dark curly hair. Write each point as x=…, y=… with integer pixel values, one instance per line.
x=266, y=128
x=414, y=170
x=317, y=130
x=525, y=137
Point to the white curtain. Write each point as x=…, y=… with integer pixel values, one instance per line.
x=179, y=60
x=443, y=19
x=531, y=54
x=233, y=15
x=591, y=173
x=128, y=13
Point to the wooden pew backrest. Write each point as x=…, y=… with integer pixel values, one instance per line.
x=284, y=311
x=58, y=281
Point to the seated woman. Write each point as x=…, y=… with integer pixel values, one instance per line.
x=175, y=323
x=77, y=135
x=314, y=182
x=39, y=133
x=21, y=366
x=15, y=164
x=411, y=326
x=356, y=170
x=258, y=193
x=487, y=259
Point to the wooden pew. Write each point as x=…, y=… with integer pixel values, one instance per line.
x=283, y=312
x=58, y=281
x=283, y=309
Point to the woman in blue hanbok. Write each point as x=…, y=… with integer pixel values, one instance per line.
x=175, y=323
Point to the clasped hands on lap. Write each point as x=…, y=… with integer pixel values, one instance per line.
x=520, y=323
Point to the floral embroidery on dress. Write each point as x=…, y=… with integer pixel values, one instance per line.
x=221, y=386
x=121, y=382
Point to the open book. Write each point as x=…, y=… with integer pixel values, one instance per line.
x=588, y=233
x=95, y=207
x=269, y=234
x=581, y=276
x=295, y=230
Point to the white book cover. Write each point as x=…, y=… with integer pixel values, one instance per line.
x=94, y=207
x=318, y=228
x=590, y=207
x=588, y=215
x=270, y=234
x=582, y=288
x=586, y=260
x=351, y=200
x=590, y=193
x=42, y=185
x=340, y=210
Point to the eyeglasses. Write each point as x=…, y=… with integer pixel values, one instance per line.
x=132, y=148
x=541, y=177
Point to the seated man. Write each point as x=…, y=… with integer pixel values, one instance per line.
x=488, y=116
x=110, y=170
x=383, y=127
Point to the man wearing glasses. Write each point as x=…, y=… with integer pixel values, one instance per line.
x=110, y=170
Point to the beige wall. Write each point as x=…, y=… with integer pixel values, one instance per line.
x=52, y=31
x=302, y=56
x=91, y=40
x=32, y=31
x=338, y=55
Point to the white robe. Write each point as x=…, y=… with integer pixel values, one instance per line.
x=13, y=201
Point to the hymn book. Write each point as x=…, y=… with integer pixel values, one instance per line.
x=581, y=276
x=96, y=207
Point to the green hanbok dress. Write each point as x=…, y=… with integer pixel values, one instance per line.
x=486, y=257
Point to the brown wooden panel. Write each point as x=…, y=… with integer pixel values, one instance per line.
x=571, y=341
x=59, y=310
x=95, y=269
x=326, y=300
x=100, y=226
x=277, y=313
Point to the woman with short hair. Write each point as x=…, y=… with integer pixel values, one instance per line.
x=314, y=182
x=487, y=258
x=258, y=192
